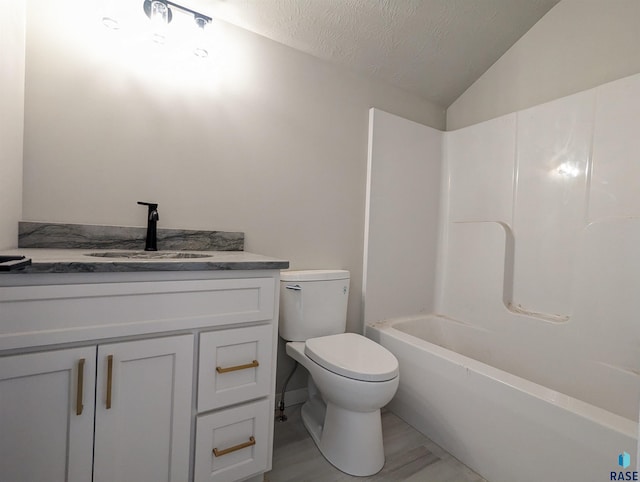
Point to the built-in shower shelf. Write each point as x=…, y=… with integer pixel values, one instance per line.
x=520, y=310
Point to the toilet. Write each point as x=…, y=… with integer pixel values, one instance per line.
x=351, y=377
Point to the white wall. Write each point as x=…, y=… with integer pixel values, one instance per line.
x=578, y=45
x=401, y=227
x=260, y=138
x=12, y=47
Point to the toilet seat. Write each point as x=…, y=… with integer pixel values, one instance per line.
x=353, y=356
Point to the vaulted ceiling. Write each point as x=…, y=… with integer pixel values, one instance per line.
x=433, y=48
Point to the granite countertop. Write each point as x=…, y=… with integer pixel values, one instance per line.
x=65, y=248
x=46, y=260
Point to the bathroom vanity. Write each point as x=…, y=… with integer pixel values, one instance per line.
x=115, y=370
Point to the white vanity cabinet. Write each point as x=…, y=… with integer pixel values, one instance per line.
x=143, y=410
x=46, y=416
x=235, y=366
x=118, y=377
x=142, y=414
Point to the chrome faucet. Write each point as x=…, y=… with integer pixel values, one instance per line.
x=151, y=242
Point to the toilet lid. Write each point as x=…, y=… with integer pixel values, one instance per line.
x=353, y=356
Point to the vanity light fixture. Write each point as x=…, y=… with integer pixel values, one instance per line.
x=200, y=40
x=160, y=14
x=110, y=14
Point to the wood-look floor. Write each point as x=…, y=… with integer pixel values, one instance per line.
x=410, y=456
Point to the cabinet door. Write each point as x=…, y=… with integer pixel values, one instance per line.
x=46, y=416
x=143, y=410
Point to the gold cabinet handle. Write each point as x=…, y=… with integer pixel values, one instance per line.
x=218, y=453
x=253, y=364
x=80, y=387
x=109, y=380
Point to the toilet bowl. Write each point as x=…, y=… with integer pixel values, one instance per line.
x=342, y=414
x=350, y=377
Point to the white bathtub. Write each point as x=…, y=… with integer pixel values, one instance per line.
x=504, y=427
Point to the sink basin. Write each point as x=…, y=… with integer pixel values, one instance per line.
x=148, y=254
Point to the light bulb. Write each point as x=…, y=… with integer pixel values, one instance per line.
x=159, y=19
x=110, y=14
x=200, y=38
x=110, y=22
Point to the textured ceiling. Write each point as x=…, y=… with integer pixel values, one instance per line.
x=433, y=48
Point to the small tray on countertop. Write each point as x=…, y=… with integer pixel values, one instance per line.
x=11, y=263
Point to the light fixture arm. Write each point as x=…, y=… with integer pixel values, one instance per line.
x=197, y=15
x=188, y=10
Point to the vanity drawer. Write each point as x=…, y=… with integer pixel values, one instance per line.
x=235, y=366
x=232, y=444
x=62, y=313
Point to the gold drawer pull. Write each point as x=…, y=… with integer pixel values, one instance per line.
x=253, y=364
x=80, y=387
x=109, y=380
x=218, y=453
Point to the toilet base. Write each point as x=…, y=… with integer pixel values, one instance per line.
x=350, y=441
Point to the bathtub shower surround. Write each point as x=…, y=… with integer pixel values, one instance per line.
x=538, y=274
x=553, y=274
x=403, y=189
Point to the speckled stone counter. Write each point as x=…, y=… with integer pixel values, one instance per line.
x=80, y=248
x=79, y=261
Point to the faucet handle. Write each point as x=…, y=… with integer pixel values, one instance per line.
x=152, y=206
x=153, y=210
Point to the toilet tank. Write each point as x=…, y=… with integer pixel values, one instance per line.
x=313, y=303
